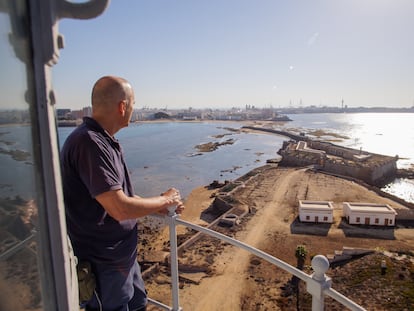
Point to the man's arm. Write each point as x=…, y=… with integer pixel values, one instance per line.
x=121, y=207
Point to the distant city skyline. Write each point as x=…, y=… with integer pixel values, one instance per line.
x=223, y=54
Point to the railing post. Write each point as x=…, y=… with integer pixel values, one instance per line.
x=319, y=282
x=174, y=261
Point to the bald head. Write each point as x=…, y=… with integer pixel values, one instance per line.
x=108, y=91
x=112, y=103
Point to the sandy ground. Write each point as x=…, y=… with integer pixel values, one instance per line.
x=218, y=276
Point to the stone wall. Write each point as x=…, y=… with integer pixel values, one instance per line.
x=371, y=168
x=373, y=174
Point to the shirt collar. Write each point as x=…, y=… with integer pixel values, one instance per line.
x=95, y=126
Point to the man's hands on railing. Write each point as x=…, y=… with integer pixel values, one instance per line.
x=174, y=203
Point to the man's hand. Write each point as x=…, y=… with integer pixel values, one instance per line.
x=174, y=196
x=180, y=208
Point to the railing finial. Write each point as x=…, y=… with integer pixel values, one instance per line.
x=320, y=265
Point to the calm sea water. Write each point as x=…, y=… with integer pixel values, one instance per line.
x=162, y=155
x=158, y=153
x=17, y=176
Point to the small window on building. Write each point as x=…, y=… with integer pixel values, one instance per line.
x=390, y=222
x=358, y=219
x=377, y=220
x=307, y=217
x=325, y=218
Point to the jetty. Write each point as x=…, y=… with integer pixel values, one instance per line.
x=301, y=151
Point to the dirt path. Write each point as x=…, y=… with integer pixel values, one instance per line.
x=214, y=292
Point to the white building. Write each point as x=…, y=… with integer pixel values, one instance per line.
x=315, y=211
x=369, y=214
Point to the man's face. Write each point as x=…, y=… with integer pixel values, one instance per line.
x=128, y=105
x=129, y=109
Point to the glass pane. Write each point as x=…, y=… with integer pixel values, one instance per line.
x=19, y=274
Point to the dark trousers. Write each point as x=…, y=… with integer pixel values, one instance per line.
x=118, y=288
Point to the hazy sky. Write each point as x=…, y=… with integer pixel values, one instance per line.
x=232, y=53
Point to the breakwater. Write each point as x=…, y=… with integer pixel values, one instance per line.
x=372, y=168
x=278, y=132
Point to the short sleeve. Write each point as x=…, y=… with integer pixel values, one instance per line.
x=99, y=165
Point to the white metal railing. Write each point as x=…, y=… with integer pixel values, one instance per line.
x=17, y=246
x=317, y=284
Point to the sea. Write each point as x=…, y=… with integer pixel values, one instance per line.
x=164, y=154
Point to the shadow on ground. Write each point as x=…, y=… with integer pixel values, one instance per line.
x=319, y=229
x=365, y=231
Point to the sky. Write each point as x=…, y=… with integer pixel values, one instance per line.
x=221, y=54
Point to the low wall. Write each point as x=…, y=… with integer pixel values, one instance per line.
x=379, y=172
x=220, y=205
x=283, y=133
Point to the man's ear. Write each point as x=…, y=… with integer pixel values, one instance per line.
x=122, y=105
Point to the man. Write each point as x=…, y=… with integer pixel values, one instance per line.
x=101, y=208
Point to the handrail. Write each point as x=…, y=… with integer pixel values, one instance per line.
x=342, y=299
x=317, y=284
x=281, y=264
x=16, y=247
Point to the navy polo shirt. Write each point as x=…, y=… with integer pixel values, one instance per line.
x=93, y=163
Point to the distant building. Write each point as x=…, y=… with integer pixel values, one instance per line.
x=84, y=112
x=315, y=211
x=190, y=116
x=369, y=214
x=63, y=114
